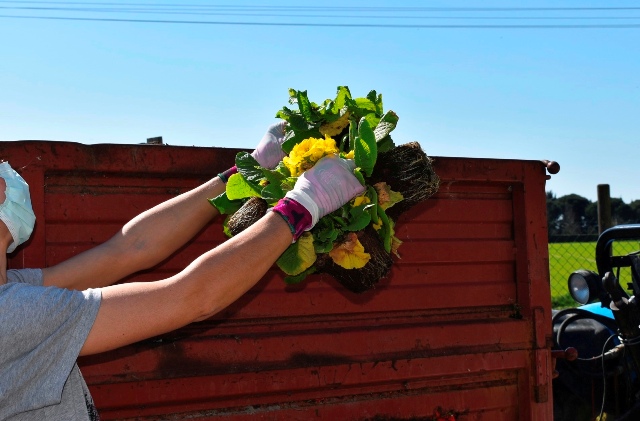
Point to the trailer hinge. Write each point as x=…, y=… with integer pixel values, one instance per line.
x=542, y=359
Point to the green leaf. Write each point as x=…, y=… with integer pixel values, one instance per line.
x=284, y=113
x=365, y=105
x=296, y=279
x=289, y=141
x=249, y=168
x=359, y=176
x=387, y=123
x=352, y=107
x=341, y=97
x=330, y=117
x=272, y=193
x=338, y=219
x=324, y=247
x=326, y=107
x=238, y=188
x=353, y=133
x=289, y=183
x=366, y=148
x=276, y=179
x=376, y=100
x=273, y=176
x=293, y=95
x=323, y=229
x=297, y=122
x=359, y=218
x=224, y=205
x=372, y=96
x=324, y=235
x=343, y=144
x=386, y=144
x=304, y=105
x=372, y=119
x=298, y=257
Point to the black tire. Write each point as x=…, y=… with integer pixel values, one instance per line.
x=568, y=406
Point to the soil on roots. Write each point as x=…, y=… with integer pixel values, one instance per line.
x=408, y=170
x=252, y=210
x=365, y=278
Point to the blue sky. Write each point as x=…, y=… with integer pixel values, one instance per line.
x=566, y=94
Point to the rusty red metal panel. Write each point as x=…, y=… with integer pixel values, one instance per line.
x=462, y=323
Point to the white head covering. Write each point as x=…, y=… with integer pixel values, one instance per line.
x=16, y=211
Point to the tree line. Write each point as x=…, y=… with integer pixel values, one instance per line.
x=576, y=215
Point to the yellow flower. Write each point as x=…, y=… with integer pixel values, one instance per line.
x=305, y=154
x=350, y=254
x=359, y=200
x=335, y=128
x=350, y=155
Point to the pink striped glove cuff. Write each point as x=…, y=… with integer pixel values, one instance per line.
x=295, y=215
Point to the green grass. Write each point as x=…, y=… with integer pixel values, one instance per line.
x=564, y=258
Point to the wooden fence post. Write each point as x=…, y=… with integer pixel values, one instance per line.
x=604, y=208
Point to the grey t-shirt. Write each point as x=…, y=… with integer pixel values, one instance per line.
x=42, y=330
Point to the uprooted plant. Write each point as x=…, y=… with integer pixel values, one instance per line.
x=355, y=243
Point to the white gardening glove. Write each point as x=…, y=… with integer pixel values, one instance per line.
x=269, y=151
x=326, y=187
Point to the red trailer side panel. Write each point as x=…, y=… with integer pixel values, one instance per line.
x=460, y=326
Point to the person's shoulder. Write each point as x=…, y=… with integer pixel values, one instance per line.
x=25, y=276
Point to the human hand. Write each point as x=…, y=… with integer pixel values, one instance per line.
x=269, y=151
x=318, y=191
x=326, y=187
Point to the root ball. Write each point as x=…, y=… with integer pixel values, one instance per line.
x=408, y=170
x=247, y=215
x=365, y=278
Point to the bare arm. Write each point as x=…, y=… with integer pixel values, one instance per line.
x=143, y=242
x=135, y=311
x=155, y=234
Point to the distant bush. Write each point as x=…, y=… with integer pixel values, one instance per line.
x=576, y=215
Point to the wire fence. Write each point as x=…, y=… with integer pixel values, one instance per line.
x=568, y=253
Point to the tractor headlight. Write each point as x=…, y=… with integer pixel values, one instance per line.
x=584, y=286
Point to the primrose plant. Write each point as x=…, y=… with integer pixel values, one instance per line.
x=354, y=128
